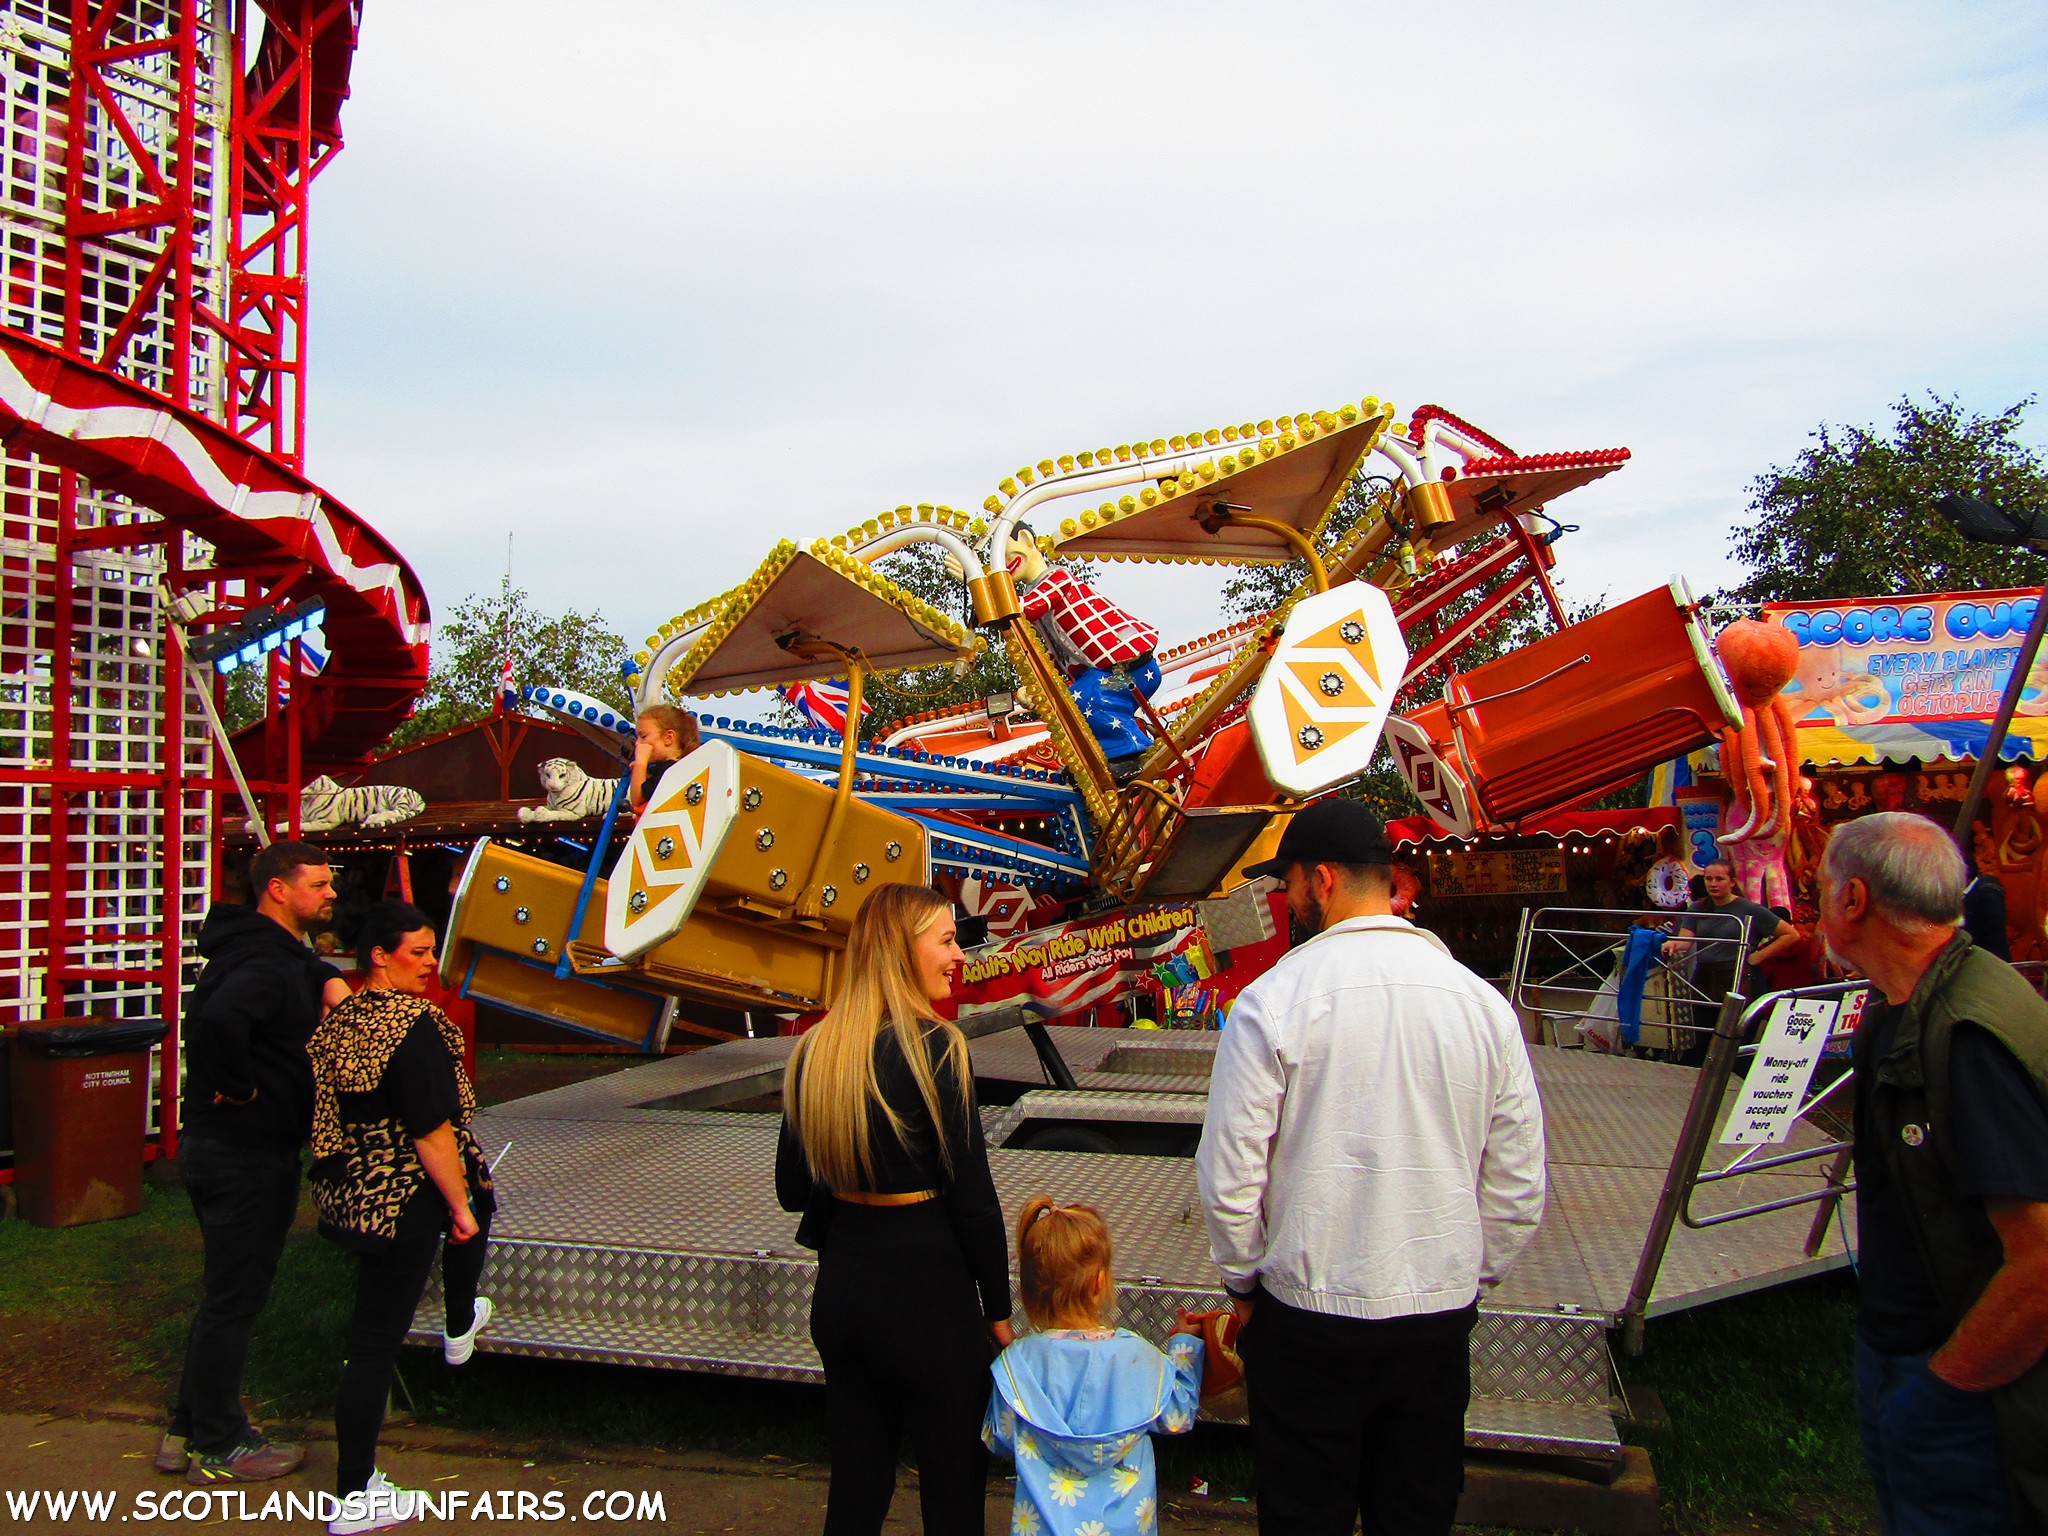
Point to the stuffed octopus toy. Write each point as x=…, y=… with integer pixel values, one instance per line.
x=1760, y=659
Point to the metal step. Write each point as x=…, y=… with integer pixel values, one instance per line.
x=1541, y=1382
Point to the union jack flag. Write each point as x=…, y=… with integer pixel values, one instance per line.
x=822, y=703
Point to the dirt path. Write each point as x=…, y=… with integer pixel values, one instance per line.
x=110, y=1457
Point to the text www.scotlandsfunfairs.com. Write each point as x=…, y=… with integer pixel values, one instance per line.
x=201, y=1505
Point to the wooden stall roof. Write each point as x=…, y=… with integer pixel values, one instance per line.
x=495, y=759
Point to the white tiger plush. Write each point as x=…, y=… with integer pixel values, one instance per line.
x=572, y=793
x=325, y=805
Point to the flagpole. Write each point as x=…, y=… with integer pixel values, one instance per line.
x=506, y=682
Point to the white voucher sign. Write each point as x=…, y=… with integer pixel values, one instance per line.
x=1778, y=1075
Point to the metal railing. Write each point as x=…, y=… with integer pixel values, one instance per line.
x=1738, y=1019
x=1567, y=955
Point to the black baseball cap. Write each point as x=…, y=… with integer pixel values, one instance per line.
x=1328, y=832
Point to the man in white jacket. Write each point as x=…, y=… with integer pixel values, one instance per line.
x=1371, y=1160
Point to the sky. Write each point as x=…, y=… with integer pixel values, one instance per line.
x=652, y=285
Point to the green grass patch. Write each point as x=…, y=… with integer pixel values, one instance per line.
x=1761, y=1395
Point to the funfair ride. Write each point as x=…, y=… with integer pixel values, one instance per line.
x=1120, y=774
x=152, y=407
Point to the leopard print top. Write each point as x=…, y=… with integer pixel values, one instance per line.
x=364, y=1173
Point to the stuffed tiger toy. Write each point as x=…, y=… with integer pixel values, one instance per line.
x=572, y=793
x=325, y=805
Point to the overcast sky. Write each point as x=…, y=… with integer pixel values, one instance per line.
x=652, y=285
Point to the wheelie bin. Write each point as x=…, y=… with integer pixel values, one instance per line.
x=81, y=1098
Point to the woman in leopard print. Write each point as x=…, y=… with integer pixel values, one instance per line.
x=395, y=1166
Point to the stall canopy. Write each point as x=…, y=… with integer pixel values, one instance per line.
x=1563, y=826
x=1893, y=679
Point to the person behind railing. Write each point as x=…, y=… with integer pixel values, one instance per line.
x=1951, y=1150
x=1719, y=967
x=882, y=1151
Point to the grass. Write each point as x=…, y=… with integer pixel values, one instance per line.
x=1758, y=1388
x=1760, y=1394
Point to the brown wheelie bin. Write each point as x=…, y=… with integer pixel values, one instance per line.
x=81, y=1095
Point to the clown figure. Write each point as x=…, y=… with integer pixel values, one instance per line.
x=1106, y=652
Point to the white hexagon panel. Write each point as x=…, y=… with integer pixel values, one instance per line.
x=1439, y=786
x=656, y=882
x=1316, y=714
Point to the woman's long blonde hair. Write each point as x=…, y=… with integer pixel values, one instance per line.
x=829, y=1090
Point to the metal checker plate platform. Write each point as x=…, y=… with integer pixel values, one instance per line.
x=651, y=1235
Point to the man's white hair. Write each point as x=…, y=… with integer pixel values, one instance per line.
x=1909, y=865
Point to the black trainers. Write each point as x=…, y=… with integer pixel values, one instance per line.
x=255, y=1460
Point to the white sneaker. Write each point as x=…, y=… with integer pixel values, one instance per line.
x=378, y=1507
x=456, y=1348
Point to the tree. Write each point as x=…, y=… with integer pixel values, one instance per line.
x=1257, y=589
x=1853, y=515
x=576, y=650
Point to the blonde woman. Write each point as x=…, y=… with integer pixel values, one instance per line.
x=882, y=1152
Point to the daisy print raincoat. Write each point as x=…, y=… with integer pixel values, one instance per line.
x=1075, y=1411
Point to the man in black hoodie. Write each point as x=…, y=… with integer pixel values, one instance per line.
x=247, y=1109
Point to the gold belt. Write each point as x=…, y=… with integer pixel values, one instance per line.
x=871, y=1197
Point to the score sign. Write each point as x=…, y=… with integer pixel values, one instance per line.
x=1783, y=1066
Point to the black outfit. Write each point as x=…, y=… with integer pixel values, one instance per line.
x=2001, y=1151
x=1984, y=915
x=418, y=1089
x=245, y=1030
x=1719, y=969
x=1951, y=1113
x=1357, y=1421
x=902, y=1306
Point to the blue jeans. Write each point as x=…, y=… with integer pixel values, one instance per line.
x=1932, y=1451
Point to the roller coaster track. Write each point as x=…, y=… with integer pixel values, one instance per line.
x=266, y=522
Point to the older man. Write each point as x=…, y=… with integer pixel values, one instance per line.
x=1372, y=1157
x=1952, y=1191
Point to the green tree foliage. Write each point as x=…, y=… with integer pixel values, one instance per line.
x=573, y=650
x=1256, y=589
x=1853, y=515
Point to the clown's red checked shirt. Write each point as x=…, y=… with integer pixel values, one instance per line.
x=1104, y=634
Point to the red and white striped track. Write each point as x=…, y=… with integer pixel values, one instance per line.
x=266, y=521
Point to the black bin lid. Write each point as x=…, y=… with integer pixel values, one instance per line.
x=90, y=1037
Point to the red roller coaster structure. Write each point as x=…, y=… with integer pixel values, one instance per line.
x=152, y=412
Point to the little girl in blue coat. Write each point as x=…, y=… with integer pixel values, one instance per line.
x=1076, y=1400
